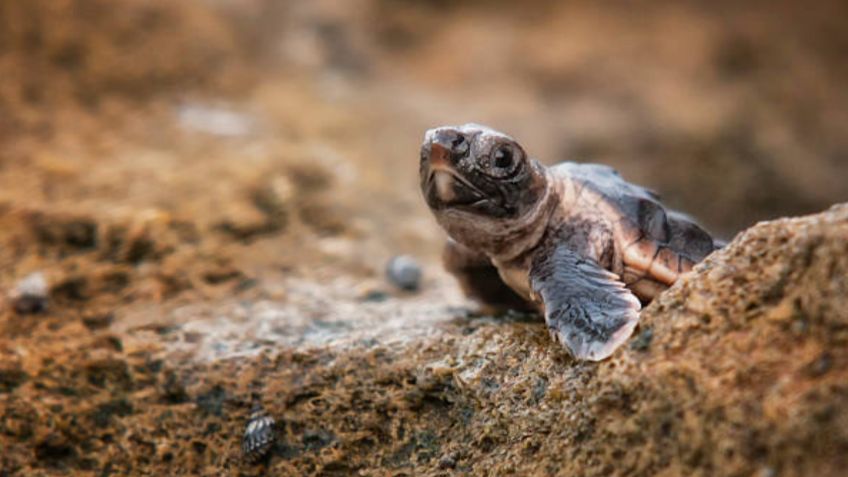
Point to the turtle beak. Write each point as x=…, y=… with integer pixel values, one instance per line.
x=443, y=184
x=442, y=173
x=440, y=156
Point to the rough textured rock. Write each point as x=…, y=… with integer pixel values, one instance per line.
x=740, y=369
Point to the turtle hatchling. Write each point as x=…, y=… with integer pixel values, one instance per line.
x=574, y=241
x=258, y=435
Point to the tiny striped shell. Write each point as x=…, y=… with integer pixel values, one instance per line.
x=258, y=435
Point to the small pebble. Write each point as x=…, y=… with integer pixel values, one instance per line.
x=642, y=341
x=374, y=296
x=767, y=472
x=258, y=435
x=30, y=295
x=448, y=461
x=404, y=272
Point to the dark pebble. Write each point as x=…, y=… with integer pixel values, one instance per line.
x=30, y=295
x=448, y=461
x=404, y=272
x=642, y=342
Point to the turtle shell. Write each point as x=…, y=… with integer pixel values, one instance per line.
x=655, y=245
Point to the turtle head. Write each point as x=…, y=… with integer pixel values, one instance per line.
x=476, y=179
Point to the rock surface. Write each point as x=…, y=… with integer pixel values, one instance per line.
x=739, y=369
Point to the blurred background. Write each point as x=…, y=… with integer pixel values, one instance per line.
x=196, y=180
x=734, y=111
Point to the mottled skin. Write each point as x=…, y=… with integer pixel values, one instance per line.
x=574, y=241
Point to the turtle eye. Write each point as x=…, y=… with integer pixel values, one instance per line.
x=504, y=161
x=503, y=157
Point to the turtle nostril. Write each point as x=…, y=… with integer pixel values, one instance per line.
x=459, y=145
x=449, y=142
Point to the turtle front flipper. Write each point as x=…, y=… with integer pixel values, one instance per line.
x=586, y=307
x=480, y=279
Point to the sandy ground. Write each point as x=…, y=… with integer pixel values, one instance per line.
x=212, y=191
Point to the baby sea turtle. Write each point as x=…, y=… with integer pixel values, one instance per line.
x=574, y=241
x=258, y=434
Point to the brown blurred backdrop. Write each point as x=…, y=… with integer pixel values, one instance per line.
x=734, y=111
